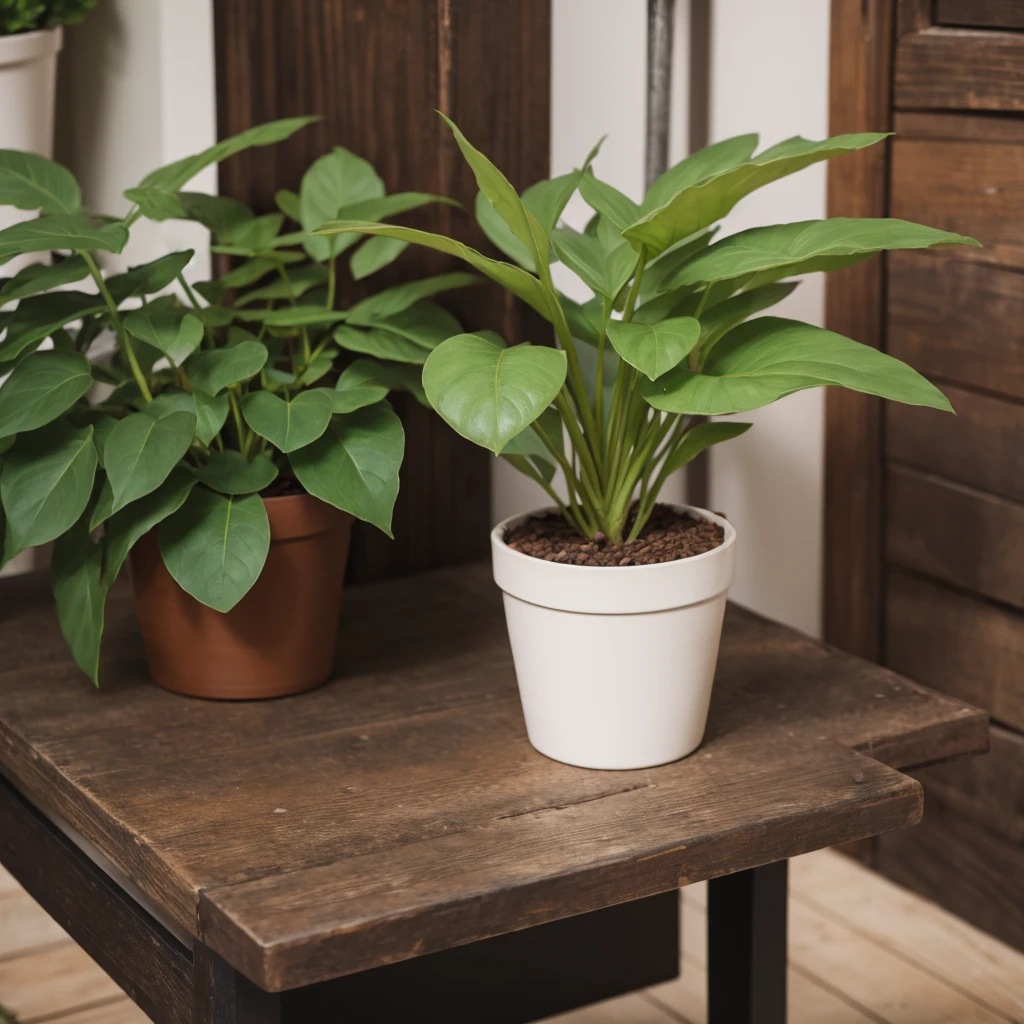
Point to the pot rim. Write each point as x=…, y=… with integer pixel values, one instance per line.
x=26, y=47
x=498, y=537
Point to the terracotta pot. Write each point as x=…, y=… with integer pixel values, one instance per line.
x=279, y=639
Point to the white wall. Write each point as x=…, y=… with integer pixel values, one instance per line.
x=769, y=74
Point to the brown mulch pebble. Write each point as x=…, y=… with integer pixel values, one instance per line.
x=668, y=536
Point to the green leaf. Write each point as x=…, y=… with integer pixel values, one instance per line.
x=41, y=277
x=703, y=436
x=40, y=316
x=608, y=201
x=149, y=277
x=515, y=279
x=80, y=595
x=230, y=472
x=354, y=464
x=299, y=282
x=256, y=233
x=504, y=198
x=425, y=323
x=654, y=349
x=527, y=443
x=392, y=301
x=211, y=414
x=248, y=273
x=156, y=203
x=46, y=483
x=124, y=528
x=390, y=206
x=726, y=315
x=336, y=180
x=768, y=358
x=547, y=199
x=373, y=341
x=697, y=206
x=786, y=250
x=176, y=335
x=41, y=388
x=30, y=182
x=373, y=255
x=293, y=316
x=61, y=231
x=499, y=234
x=584, y=320
x=358, y=387
x=721, y=156
x=392, y=376
x=221, y=214
x=141, y=451
x=289, y=425
x=173, y=176
x=660, y=272
x=215, y=546
x=213, y=370
x=603, y=271
x=489, y=394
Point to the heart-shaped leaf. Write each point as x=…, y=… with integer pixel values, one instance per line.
x=214, y=370
x=764, y=359
x=488, y=393
x=211, y=414
x=231, y=472
x=289, y=425
x=357, y=387
x=654, y=349
x=354, y=464
x=141, y=451
x=46, y=484
x=176, y=335
x=215, y=546
x=41, y=388
x=390, y=376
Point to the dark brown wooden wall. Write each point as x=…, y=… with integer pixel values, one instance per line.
x=925, y=512
x=375, y=70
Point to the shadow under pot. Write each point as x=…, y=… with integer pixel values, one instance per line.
x=279, y=639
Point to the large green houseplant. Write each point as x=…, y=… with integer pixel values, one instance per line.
x=666, y=340
x=211, y=397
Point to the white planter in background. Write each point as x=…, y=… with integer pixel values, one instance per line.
x=615, y=664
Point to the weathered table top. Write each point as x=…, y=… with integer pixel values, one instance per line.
x=401, y=810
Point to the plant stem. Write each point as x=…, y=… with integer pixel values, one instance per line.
x=693, y=361
x=332, y=282
x=188, y=291
x=122, y=334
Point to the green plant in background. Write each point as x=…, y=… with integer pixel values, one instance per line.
x=666, y=337
x=209, y=393
x=31, y=15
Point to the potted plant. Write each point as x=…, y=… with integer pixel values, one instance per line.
x=614, y=604
x=230, y=433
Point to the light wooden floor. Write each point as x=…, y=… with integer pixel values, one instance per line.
x=861, y=950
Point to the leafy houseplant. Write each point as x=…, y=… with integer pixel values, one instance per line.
x=33, y=15
x=666, y=339
x=212, y=397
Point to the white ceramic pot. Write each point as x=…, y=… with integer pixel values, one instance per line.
x=615, y=664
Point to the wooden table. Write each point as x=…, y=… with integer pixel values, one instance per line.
x=391, y=843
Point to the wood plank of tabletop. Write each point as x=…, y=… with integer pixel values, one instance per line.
x=418, y=754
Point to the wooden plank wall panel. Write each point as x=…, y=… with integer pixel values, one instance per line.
x=931, y=124
x=974, y=188
x=982, y=445
x=960, y=865
x=958, y=69
x=958, y=321
x=375, y=70
x=965, y=646
x=861, y=51
x=980, y=13
x=955, y=534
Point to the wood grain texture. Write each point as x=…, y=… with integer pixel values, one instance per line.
x=980, y=13
x=982, y=445
x=861, y=46
x=401, y=809
x=932, y=124
x=989, y=871
x=966, y=647
x=958, y=321
x=148, y=963
x=973, y=188
x=955, y=534
x=959, y=69
x=376, y=70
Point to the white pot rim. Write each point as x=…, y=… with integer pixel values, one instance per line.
x=23, y=47
x=615, y=589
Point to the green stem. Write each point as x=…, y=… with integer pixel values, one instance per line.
x=693, y=361
x=122, y=334
x=332, y=282
x=236, y=413
x=188, y=291
x=606, y=312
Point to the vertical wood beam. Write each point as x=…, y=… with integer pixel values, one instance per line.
x=860, y=91
x=375, y=70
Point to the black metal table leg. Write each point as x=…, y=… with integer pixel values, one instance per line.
x=747, y=946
